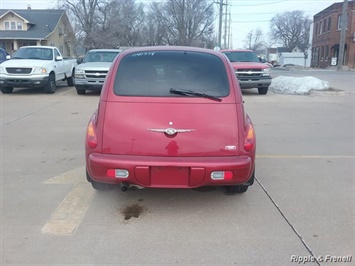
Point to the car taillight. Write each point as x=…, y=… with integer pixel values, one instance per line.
x=249, y=140
x=222, y=175
x=91, y=134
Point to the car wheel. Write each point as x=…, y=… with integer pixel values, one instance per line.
x=6, y=90
x=80, y=91
x=263, y=90
x=97, y=185
x=51, y=85
x=71, y=80
x=236, y=189
x=101, y=186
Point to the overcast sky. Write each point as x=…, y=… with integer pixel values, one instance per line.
x=246, y=15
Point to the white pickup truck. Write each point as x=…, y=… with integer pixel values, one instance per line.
x=36, y=66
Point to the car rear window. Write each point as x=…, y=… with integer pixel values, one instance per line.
x=154, y=73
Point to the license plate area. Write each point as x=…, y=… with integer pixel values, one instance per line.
x=169, y=176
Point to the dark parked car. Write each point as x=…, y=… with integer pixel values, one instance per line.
x=170, y=117
x=3, y=55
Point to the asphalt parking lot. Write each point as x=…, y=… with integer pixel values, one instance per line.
x=301, y=207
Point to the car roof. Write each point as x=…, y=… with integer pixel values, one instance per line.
x=170, y=48
x=38, y=46
x=105, y=50
x=237, y=50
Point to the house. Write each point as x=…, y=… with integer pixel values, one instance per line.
x=23, y=27
x=326, y=36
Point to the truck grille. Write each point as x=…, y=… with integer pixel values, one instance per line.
x=249, y=73
x=18, y=70
x=96, y=74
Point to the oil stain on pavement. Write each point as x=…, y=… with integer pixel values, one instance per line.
x=133, y=210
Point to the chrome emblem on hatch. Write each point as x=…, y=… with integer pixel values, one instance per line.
x=170, y=131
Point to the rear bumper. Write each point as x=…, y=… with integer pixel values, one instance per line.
x=170, y=172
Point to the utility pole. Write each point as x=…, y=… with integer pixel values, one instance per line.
x=220, y=23
x=225, y=26
x=229, y=30
x=344, y=24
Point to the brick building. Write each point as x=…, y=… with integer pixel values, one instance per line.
x=326, y=36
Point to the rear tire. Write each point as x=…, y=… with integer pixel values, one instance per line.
x=51, y=85
x=97, y=185
x=71, y=80
x=101, y=186
x=241, y=188
x=236, y=189
x=263, y=90
x=7, y=90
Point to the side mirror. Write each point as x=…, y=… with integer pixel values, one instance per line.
x=8, y=57
x=58, y=58
x=79, y=60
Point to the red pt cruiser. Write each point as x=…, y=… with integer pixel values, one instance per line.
x=170, y=117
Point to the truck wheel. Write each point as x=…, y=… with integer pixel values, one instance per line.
x=71, y=80
x=51, y=85
x=263, y=90
x=79, y=90
x=6, y=90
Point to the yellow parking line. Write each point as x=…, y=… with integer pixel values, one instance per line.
x=64, y=92
x=74, y=176
x=69, y=214
x=285, y=156
x=71, y=211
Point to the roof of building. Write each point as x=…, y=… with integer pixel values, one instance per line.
x=43, y=22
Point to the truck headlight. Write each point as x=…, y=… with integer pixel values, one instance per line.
x=79, y=73
x=266, y=72
x=39, y=70
x=2, y=70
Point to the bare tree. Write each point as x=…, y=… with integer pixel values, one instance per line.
x=105, y=23
x=254, y=40
x=291, y=29
x=183, y=22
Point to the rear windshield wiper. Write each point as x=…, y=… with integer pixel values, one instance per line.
x=194, y=93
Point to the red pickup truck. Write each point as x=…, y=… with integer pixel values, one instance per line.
x=250, y=72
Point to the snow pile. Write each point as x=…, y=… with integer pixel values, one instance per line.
x=301, y=85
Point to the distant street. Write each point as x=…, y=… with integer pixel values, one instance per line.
x=301, y=207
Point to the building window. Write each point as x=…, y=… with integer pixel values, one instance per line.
x=316, y=31
x=320, y=27
x=324, y=25
x=326, y=52
x=13, y=25
x=322, y=53
x=339, y=22
x=329, y=23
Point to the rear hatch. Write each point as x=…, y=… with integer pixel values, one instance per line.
x=205, y=129
x=151, y=109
